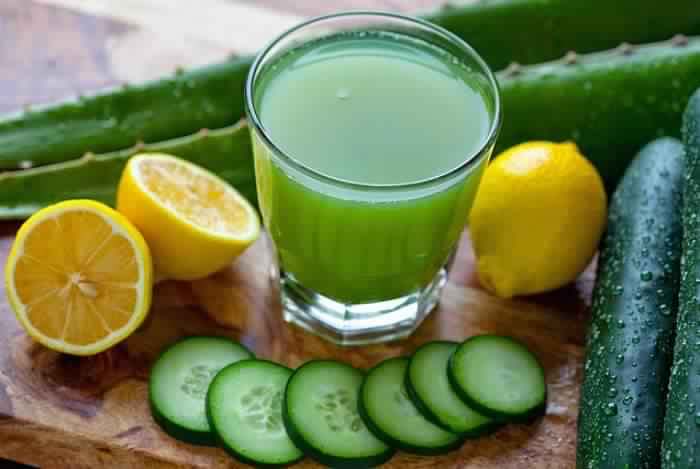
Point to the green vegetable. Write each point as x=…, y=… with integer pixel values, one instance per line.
x=611, y=103
x=392, y=417
x=209, y=97
x=530, y=31
x=179, y=381
x=630, y=342
x=503, y=31
x=227, y=152
x=244, y=410
x=321, y=417
x=429, y=388
x=499, y=377
x=681, y=439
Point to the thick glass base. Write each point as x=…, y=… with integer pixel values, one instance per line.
x=358, y=324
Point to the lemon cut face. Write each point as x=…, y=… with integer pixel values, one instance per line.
x=195, y=196
x=79, y=277
x=194, y=222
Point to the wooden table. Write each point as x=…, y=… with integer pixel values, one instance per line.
x=63, y=412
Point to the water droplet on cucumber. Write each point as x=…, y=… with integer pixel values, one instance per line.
x=610, y=409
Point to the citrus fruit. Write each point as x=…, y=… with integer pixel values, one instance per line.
x=79, y=277
x=194, y=222
x=537, y=219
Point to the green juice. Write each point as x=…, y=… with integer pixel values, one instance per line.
x=367, y=204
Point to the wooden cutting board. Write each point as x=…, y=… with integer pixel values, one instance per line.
x=64, y=412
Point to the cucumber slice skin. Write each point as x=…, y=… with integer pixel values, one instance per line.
x=315, y=453
x=221, y=442
x=190, y=436
x=483, y=430
x=179, y=432
x=501, y=416
x=391, y=440
x=424, y=409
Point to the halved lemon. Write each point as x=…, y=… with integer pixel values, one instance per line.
x=194, y=222
x=79, y=277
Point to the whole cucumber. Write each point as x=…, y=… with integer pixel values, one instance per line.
x=226, y=152
x=531, y=31
x=610, y=103
x=681, y=443
x=502, y=31
x=630, y=341
x=209, y=97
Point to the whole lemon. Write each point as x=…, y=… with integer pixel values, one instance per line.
x=537, y=219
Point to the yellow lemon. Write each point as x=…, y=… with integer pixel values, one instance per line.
x=79, y=277
x=537, y=219
x=194, y=222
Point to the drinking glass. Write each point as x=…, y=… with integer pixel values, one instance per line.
x=361, y=262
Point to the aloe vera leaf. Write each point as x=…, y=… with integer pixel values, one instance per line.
x=502, y=31
x=610, y=103
x=532, y=31
x=226, y=152
x=117, y=118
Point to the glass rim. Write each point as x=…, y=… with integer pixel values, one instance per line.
x=255, y=120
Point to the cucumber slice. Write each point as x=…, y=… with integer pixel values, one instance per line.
x=390, y=414
x=244, y=408
x=178, y=385
x=429, y=388
x=321, y=417
x=498, y=377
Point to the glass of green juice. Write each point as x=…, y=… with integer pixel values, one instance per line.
x=371, y=132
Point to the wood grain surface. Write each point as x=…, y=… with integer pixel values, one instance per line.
x=64, y=412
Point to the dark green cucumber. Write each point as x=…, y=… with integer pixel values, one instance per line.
x=611, y=103
x=630, y=342
x=502, y=31
x=530, y=31
x=115, y=119
x=681, y=439
x=225, y=151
